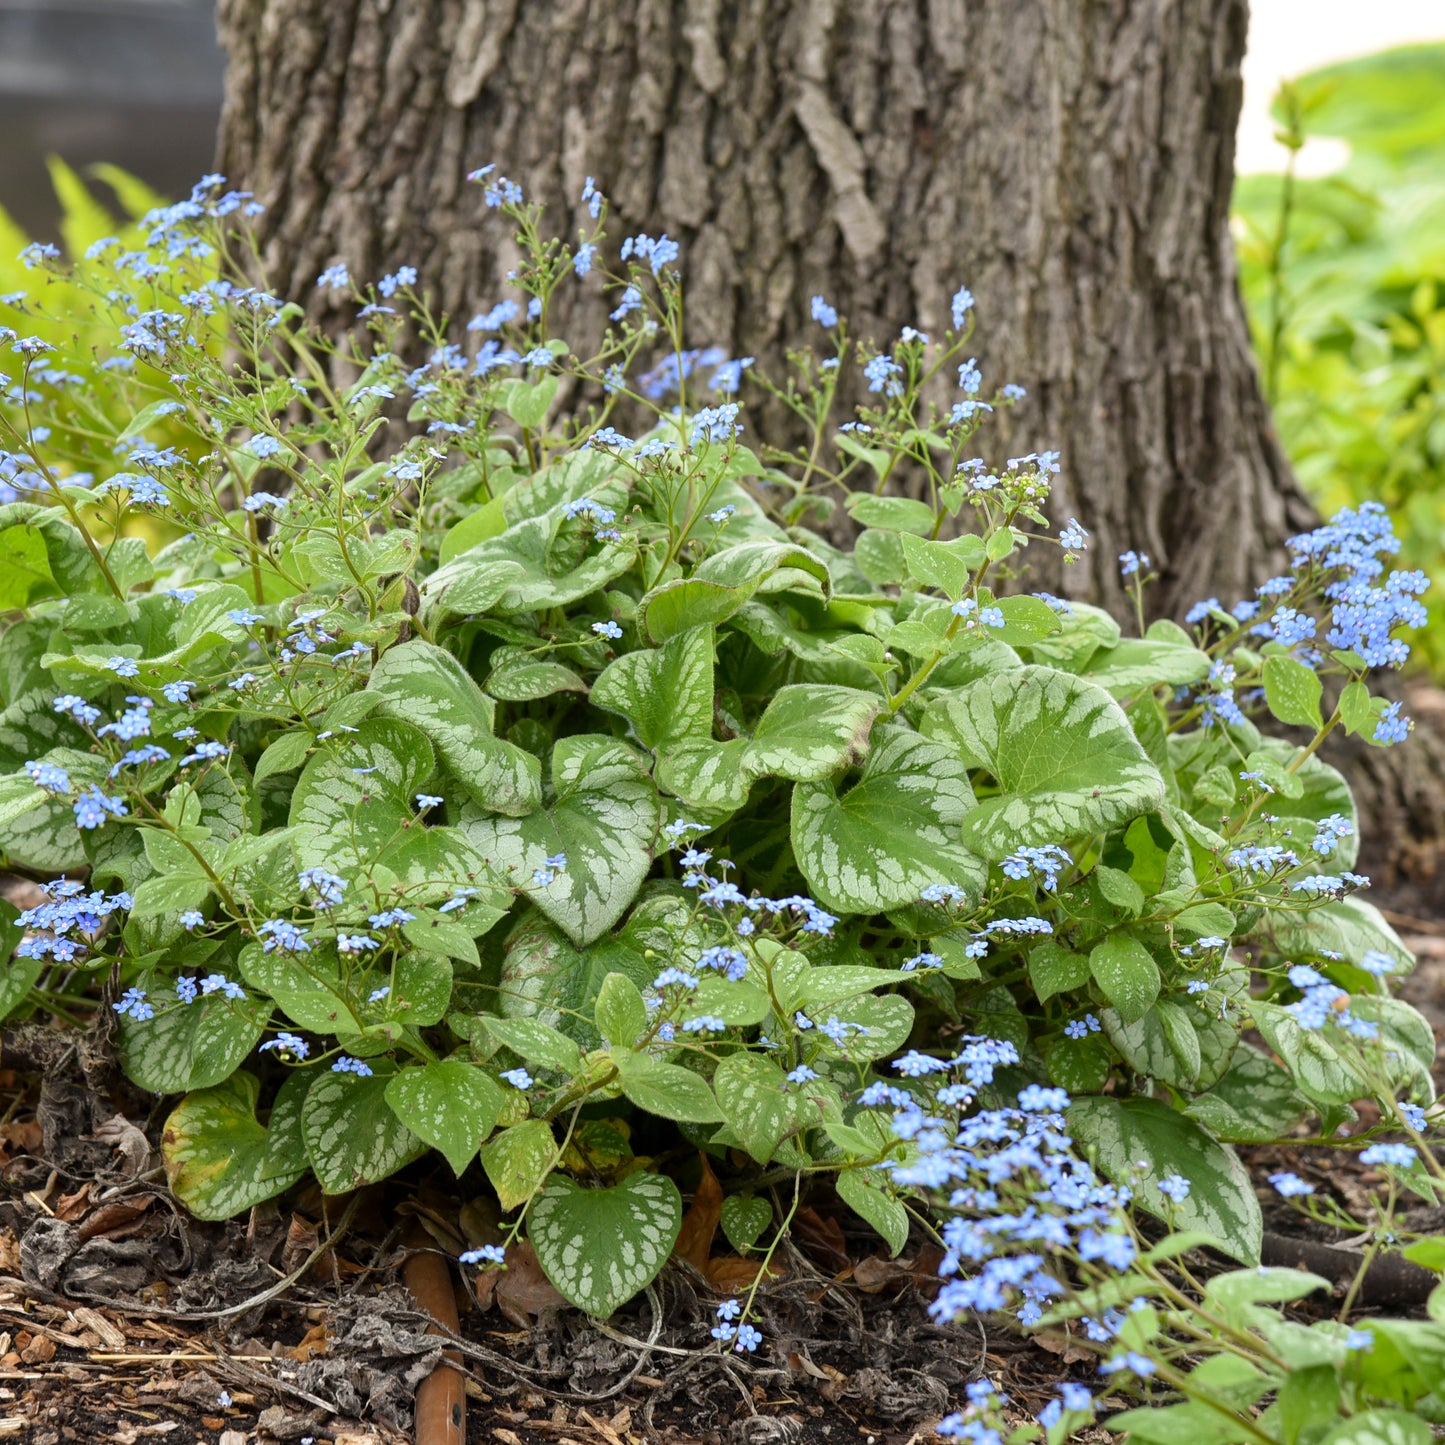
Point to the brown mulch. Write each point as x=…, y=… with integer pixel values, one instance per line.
x=123, y=1320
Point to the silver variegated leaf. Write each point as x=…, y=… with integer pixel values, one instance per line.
x=890, y=835
x=602, y=815
x=601, y=1246
x=426, y=686
x=352, y=1135
x=1061, y=749
x=219, y=1160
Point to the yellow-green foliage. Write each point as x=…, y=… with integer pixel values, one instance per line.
x=60, y=304
x=1347, y=299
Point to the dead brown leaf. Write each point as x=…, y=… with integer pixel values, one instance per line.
x=521, y=1291
x=728, y=1274
x=314, y=1342
x=114, y=1220
x=302, y=1237
x=699, y=1224
x=821, y=1240
x=70, y=1207
x=1056, y=1342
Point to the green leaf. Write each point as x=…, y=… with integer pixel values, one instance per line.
x=601, y=1246
x=284, y=755
x=1234, y=1293
x=897, y=514
x=1126, y=972
x=352, y=1135
x=518, y=1160
x=486, y=521
x=189, y=1047
x=449, y=1103
x=527, y=403
x=1120, y=1135
x=219, y=1161
x=538, y=1043
x=1292, y=691
x=351, y=803
x=724, y=581
x=744, y=1217
x=603, y=816
x=18, y=795
x=1380, y=1427
x=891, y=834
x=666, y=1090
x=310, y=992
x=621, y=1012
x=426, y=686
x=750, y=1092
x=810, y=730
x=665, y=692
x=1054, y=970
x=517, y=676
x=945, y=566
x=866, y=1194
x=1357, y=709
x=1319, y=1070
x=1065, y=758
x=24, y=566
x=1253, y=1103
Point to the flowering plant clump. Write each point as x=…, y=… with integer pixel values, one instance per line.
x=486, y=783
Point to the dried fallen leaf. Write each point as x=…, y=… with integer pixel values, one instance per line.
x=302, y=1236
x=115, y=1220
x=314, y=1342
x=821, y=1240
x=699, y=1224
x=1056, y=1342
x=522, y=1292
x=728, y=1274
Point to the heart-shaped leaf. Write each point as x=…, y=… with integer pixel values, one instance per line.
x=219, y=1160
x=895, y=831
x=427, y=687
x=744, y=1217
x=601, y=1246
x=1065, y=758
x=449, y=1103
x=602, y=816
x=352, y=1135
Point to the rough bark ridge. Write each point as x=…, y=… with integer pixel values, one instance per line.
x=1070, y=160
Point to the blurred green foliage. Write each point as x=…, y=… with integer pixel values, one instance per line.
x=1344, y=280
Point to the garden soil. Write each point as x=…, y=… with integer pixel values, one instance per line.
x=123, y=1320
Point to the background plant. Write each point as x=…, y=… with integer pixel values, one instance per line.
x=1342, y=276
x=549, y=795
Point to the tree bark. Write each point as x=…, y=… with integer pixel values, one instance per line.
x=1071, y=161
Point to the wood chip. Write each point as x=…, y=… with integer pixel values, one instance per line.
x=92, y=1320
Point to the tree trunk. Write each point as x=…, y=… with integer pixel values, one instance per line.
x=1071, y=161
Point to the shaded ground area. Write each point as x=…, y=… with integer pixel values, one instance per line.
x=123, y=1320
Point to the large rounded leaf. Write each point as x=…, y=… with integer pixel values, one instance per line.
x=890, y=835
x=1136, y=1142
x=603, y=816
x=450, y=1103
x=219, y=1160
x=600, y=1246
x=1061, y=749
x=426, y=686
x=352, y=1135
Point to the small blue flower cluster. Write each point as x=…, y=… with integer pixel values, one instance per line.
x=69, y=910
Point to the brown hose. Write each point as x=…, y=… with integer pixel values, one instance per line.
x=441, y=1399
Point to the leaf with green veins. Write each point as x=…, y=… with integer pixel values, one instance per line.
x=538, y=1043
x=620, y=1012
x=809, y=731
x=1138, y=663
x=219, y=1160
x=750, y=1093
x=352, y=1135
x=1254, y=1102
x=708, y=777
x=891, y=834
x=602, y=816
x=1027, y=620
x=897, y=514
x=427, y=687
x=485, y=522
x=450, y=1104
x=886, y=1023
x=664, y=692
x=665, y=1090
x=1126, y=972
x=739, y=1005
x=1357, y=709
x=190, y=1047
x=1319, y=1070
x=1065, y=758
x=421, y=990
x=601, y=1246
x=518, y=1160
x=723, y=582
x=1118, y=1135
x=1293, y=691
x=744, y=1217
x=517, y=676
x=351, y=804
x=284, y=755
x=308, y=989
x=944, y=566
x=866, y=1194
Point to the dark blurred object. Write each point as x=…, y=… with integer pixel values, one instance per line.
x=133, y=82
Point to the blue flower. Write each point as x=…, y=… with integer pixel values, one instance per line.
x=286, y=1044
x=748, y=1339
x=880, y=373
x=607, y=629
x=1175, y=1187
x=49, y=776
x=347, y=1065
x=93, y=808
x=1399, y=1156
x=123, y=666
x=960, y=306
x=282, y=936
x=1391, y=727
x=402, y=276
x=487, y=1254
x=1074, y=539
x=191, y=918
x=656, y=253
x=334, y=278
x=517, y=1078
x=824, y=314
x=261, y=446
x=133, y=1005
x=244, y=617
x=1132, y=563
x=715, y=424
x=424, y=801
x=704, y=1023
